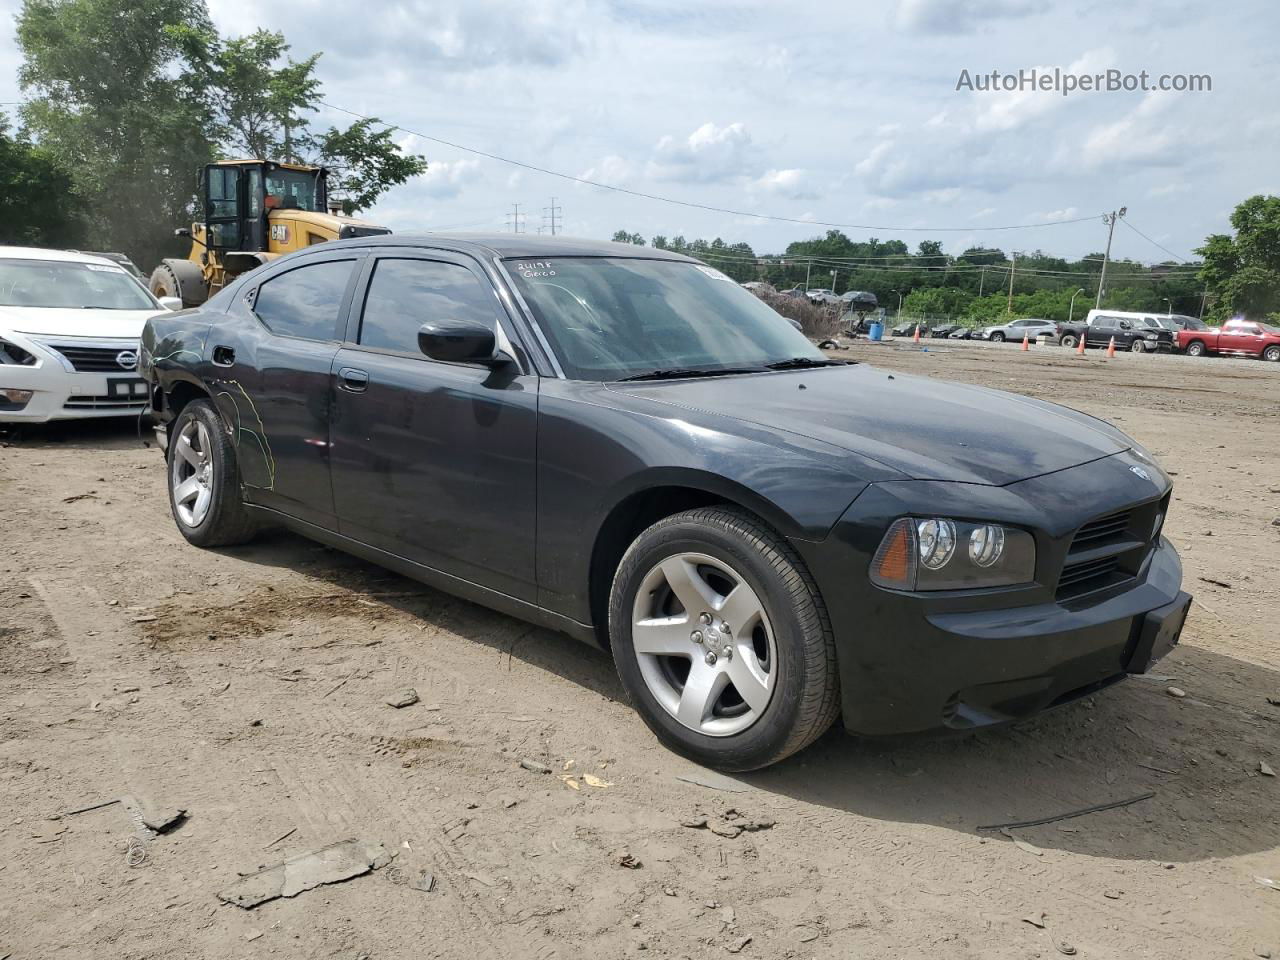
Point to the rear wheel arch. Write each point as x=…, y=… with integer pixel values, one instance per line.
x=1195, y=348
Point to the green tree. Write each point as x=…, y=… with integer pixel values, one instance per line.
x=113, y=103
x=1244, y=270
x=37, y=204
x=622, y=236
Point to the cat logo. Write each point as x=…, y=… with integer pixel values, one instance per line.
x=279, y=233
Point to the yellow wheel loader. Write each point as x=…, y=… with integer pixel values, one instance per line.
x=254, y=211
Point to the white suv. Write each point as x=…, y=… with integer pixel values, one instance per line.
x=69, y=330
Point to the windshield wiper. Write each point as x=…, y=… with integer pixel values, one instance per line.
x=677, y=373
x=800, y=363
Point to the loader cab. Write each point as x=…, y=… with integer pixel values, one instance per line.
x=239, y=196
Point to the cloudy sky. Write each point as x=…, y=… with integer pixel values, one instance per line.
x=840, y=112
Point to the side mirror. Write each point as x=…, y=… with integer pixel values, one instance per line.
x=460, y=341
x=171, y=303
x=182, y=232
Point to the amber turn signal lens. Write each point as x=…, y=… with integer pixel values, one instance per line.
x=893, y=565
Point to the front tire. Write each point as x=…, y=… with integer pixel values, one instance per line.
x=204, y=480
x=722, y=641
x=1138, y=346
x=997, y=337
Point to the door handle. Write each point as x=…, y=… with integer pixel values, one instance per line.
x=223, y=356
x=353, y=380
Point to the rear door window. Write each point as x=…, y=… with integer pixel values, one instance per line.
x=406, y=293
x=305, y=302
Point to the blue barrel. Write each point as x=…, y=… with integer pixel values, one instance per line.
x=877, y=330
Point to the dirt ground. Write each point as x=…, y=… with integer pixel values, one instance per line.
x=248, y=686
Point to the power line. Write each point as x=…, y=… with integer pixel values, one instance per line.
x=1149, y=240
x=699, y=206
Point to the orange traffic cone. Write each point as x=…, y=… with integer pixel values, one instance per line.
x=916, y=338
x=1080, y=349
x=1026, y=344
x=1111, y=348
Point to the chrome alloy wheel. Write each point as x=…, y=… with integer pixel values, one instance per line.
x=191, y=473
x=704, y=644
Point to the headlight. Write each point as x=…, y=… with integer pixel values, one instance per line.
x=11, y=353
x=1151, y=336
x=936, y=553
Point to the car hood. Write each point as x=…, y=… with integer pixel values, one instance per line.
x=926, y=429
x=75, y=322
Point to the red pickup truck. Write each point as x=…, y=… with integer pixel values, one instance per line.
x=1236, y=337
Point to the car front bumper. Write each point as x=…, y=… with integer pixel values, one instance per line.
x=59, y=391
x=918, y=663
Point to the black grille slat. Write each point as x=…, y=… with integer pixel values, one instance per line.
x=104, y=403
x=1103, y=527
x=92, y=359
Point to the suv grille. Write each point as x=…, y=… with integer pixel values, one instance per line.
x=98, y=359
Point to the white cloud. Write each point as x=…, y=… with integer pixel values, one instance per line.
x=444, y=179
x=613, y=170
x=1066, y=213
x=790, y=183
x=711, y=153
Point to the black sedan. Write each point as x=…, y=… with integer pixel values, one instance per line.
x=625, y=445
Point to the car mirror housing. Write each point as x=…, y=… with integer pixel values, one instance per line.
x=460, y=341
x=171, y=303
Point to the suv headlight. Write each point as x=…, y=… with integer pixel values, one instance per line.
x=935, y=553
x=1151, y=336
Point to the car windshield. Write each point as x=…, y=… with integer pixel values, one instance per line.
x=70, y=284
x=608, y=318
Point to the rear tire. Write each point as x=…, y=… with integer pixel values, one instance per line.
x=1195, y=349
x=1068, y=340
x=204, y=480
x=775, y=691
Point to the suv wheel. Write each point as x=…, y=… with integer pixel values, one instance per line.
x=722, y=641
x=1272, y=353
x=204, y=481
x=998, y=336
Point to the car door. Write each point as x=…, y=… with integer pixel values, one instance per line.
x=1241, y=338
x=272, y=382
x=1103, y=328
x=433, y=461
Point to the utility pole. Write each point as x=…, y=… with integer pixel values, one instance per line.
x=551, y=218
x=807, y=271
x=982, y=281
x=1203, y=296
x=513, y=218
x=1013, y=265
x=1110, y=220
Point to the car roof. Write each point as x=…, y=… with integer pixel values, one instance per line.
x=43, y=253
x=508, y=245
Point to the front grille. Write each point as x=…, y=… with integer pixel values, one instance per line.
x=96, y=359
x=1103, y=528
x=1110, y=550
x=1078, y=578
x=104, y=403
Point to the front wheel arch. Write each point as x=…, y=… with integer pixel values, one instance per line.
x=641, y=509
